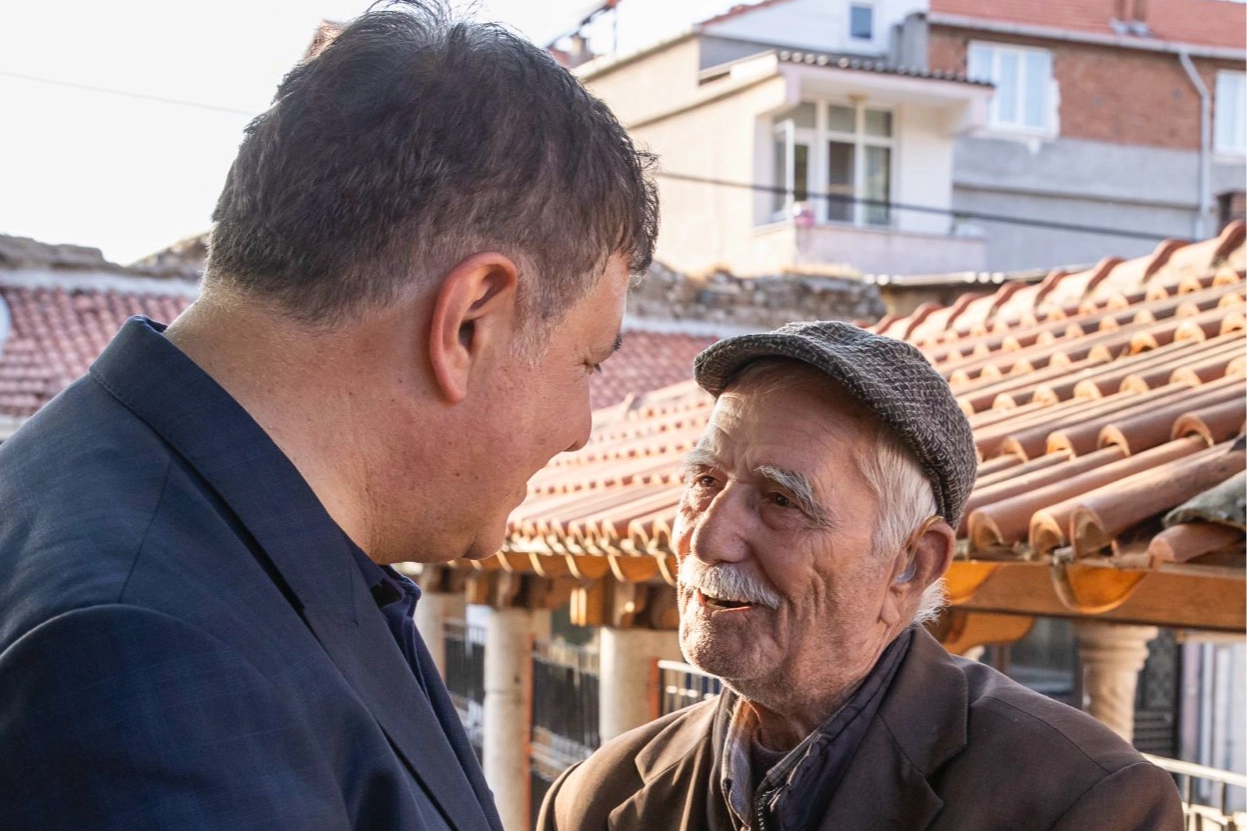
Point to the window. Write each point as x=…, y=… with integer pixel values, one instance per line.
x=1025, y=99
x=852, y=165
x=1229, y=133
x=792, y=137
x=861, y=22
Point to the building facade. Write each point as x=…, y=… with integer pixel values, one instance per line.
x=914, y=137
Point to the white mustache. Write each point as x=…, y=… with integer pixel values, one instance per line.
x=727, y=582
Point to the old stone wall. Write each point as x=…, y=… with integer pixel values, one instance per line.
x=724, y=301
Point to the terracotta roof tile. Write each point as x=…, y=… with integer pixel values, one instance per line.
x=1098, y=401
x=57, y=332
x=646, y=361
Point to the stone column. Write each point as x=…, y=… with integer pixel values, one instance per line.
x=1112, y=655
x=433, y=610
x=508, y=708
x=626, y=658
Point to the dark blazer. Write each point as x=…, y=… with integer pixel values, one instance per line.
x=955, y=746
x=185, y=639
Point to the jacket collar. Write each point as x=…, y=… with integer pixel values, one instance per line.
x=920, y=725
x=306, y=548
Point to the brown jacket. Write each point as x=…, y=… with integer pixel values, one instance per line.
x=955, y=746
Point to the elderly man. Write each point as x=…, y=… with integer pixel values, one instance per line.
x=816, y=524
x=420, y=256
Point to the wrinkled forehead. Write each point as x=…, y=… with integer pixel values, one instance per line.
x=793, y=414
x=829, y=401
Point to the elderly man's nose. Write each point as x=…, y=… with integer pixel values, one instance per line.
x=719, y=533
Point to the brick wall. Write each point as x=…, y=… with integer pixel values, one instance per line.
x=1120, y=96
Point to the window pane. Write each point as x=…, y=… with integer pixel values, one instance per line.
x=801, y=115
x=862, y=22
x=840, y=181
x=801, y=172
x=1038, y=78
x=878, y=184
x=979, y=63
x=780, y=159
x=1006, y=100
x=841, y=119
x=1229, y=130
x=878, y=123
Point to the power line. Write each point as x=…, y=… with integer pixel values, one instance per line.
x=830, y=197
x=125, y=93
x=959, y=214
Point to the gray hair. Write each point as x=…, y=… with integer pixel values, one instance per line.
x=411, y=141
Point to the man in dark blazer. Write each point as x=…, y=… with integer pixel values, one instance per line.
x=814, y=530
x=420, y=256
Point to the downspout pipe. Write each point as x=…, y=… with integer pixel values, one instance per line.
x=1205, y=142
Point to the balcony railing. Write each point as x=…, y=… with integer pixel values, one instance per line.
x=465, y=677
x=1207, y=795
x=565, y=699
x=565, y=712
x=680, y=685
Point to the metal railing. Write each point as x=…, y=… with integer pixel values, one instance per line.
x=565, y=702
x=1207, y=795
x=465, y=676
x=680, y=685
x=566, y=690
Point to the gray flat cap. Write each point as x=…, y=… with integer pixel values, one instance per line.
x=889, y=376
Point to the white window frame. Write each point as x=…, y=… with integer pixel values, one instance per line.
x=818, y=140
x=1050, y=105
x=870, y=7
x=1230, y=113
x=792, y=135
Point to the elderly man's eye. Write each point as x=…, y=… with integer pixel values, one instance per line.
x=781, y=500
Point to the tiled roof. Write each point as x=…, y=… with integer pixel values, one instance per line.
x=1100, y=399
x=646, y=361
x=740, y=9
x=55, y=331
x=878, y=67
x=59, y=324
x=1201, y=22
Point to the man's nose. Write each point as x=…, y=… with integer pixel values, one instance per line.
x=582, y=428
x=720, y=532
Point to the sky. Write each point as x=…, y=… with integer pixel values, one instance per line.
x=131, y=173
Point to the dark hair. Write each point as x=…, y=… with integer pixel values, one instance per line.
x=410, y=141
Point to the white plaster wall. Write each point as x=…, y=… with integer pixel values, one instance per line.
x=875, y=251
x=646, y=85
x=702, y=224
x=818, y=25
x=922, y=169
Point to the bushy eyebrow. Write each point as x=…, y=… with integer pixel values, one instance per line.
x=697, y=459
x=793, y=483
x=798, y=488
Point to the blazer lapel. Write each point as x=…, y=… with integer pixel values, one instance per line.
x=680, y=771
x=303, y=544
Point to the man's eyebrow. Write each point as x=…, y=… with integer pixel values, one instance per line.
x=697, y=458
x=615, y=346
x=799, y=488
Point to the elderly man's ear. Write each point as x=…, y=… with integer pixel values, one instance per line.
x=475, y=314
x=928, y=558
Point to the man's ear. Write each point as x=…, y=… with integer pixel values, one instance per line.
x=927, y=559
x=474, y=312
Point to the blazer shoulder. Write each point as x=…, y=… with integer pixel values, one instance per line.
x=133, y=697
x=584, y=796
